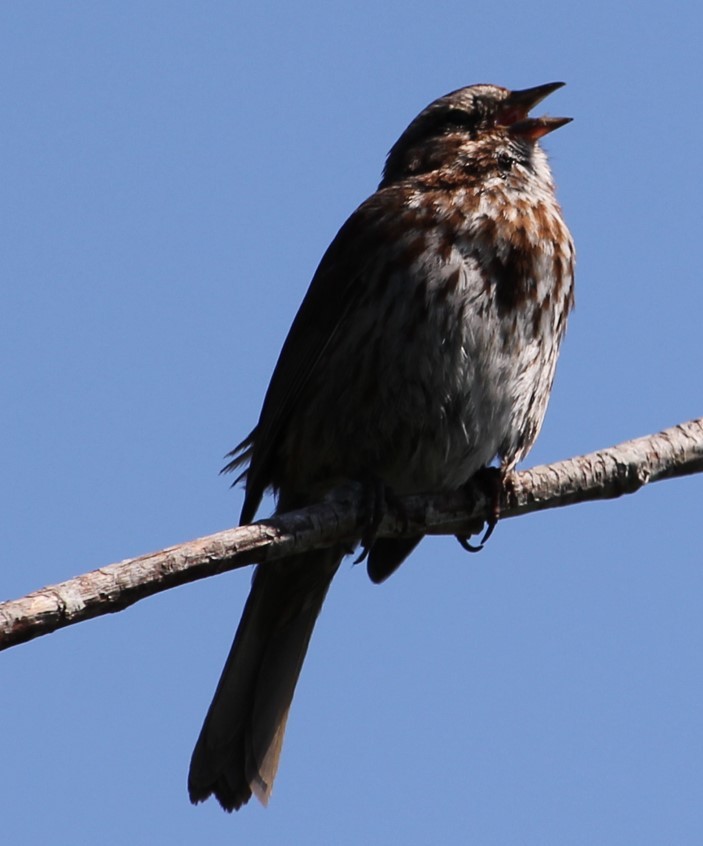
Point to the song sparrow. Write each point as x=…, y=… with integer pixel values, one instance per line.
x=424, y=349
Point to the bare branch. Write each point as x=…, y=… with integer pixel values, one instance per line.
x=600, y=475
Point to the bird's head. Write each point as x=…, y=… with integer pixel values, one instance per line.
x=452, y=124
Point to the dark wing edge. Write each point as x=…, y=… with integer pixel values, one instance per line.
x=240, y=455
x=332, y=293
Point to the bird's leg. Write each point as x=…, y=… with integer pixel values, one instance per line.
x=377, y=498
x=491, y=481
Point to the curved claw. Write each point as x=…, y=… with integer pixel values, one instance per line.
x=364, y=554
x=491, y=480
x=469, y=547
x=489, y=531
x=376, y=498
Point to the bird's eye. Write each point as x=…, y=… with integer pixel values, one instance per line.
x=459, y=119
x=505, y=161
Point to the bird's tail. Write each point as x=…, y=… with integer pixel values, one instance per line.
x=240, y=743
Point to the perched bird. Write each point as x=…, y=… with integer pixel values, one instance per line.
x=423, y=351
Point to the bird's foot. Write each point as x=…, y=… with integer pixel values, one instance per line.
x=377, y=499
x=491, y=481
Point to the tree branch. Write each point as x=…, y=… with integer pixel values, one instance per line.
x=606, y=474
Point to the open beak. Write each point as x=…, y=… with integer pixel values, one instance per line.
x=515, y=110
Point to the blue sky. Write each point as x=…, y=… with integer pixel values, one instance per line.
x=172, y=173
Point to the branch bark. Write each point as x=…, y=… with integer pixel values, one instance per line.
x=605, y=474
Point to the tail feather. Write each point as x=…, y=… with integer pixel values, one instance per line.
x=387, y=554
x=239, y=746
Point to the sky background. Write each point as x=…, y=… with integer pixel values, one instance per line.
x=171, y=174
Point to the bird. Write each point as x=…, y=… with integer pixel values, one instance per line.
x=423, y=352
